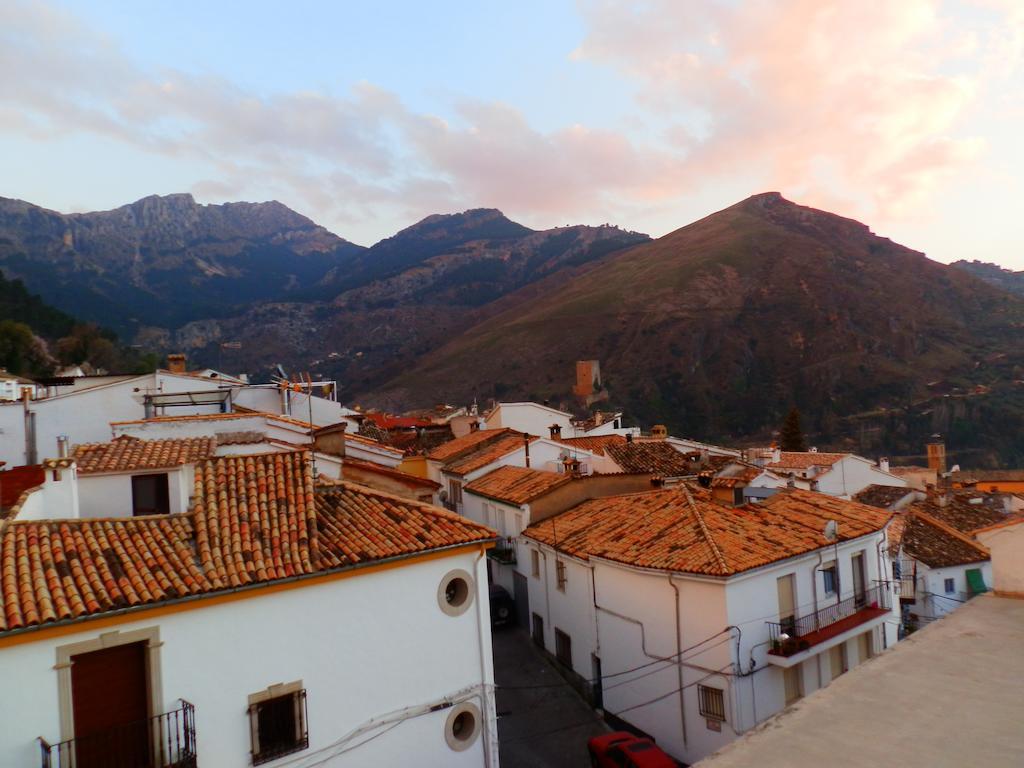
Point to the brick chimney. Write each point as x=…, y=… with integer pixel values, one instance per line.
x=556, y=431
x=176, y=363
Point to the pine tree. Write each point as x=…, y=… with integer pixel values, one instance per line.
x=792, y=437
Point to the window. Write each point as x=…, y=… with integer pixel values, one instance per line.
x=535, y=563
x=454, y=492
x=950, y=586
x=792, y=683
x=560, y=575
x=150, y=495
x=455, y=592
x=830, y=575
x=277, y=722
x=563, y=648
x=712, y=702
x=462, y=726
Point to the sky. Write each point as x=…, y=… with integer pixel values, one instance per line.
x=366, y=117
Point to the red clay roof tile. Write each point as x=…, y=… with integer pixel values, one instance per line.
x=684, y=529
x=126, y=454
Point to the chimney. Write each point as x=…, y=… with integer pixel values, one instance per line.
x=659, y=431
x=571, y=466
x=176, y=363
x=813, y=449
x=62, y=446
x=776, y=454
x=629, y=437
x=705, y=456
x=474, y=426
x=657, y=481
x=883, y=464
x=526, y=448
x=556, y=431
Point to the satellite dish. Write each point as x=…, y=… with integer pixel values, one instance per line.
x=831, y=530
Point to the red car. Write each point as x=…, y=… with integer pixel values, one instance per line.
x=624, y=750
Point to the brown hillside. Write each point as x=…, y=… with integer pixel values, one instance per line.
x=719, y=327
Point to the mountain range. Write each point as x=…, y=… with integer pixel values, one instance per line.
x=715, y=330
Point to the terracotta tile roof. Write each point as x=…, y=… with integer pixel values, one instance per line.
x=934, y=543
x=369, y=441
x=127, y=454
x=357, y=525
x=454, y=448
x=958, y=512
x=380, y=469
x=516, y=485
x=683, y=529
x=796, y=460
x=655, y=456
x=882, y=496
x=67, y=569
x=596, y=444
x=486, y=454
x=1015, y=519
x=255, y=519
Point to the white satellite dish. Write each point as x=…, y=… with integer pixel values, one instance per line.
x=831, y=530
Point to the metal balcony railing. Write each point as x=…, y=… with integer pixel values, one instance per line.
x=505, y=550
x=162, y=741
x=798, y=633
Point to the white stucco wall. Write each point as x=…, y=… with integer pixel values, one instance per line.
x=633, y=624
x=932, y=600
x=852, y=475
x=347, y=640
x=1007, y=547
x=531, y=418
x=110, y=495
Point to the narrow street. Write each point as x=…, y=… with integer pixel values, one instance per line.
x=546, y=726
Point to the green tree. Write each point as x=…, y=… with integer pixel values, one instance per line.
x=21, y=351
x=792, y=436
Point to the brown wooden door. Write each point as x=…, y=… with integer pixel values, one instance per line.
x=110, y=704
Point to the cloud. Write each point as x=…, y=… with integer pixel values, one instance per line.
x=825, y=99
x=865, y=106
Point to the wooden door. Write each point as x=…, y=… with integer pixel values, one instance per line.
x=110, y=706
x=787, y=603
x=859, y=588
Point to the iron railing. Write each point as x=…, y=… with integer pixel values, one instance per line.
x=162, y=741
x=797, y=628
x=504, y=551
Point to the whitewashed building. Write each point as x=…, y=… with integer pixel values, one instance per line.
x=837, y=474
x=272, y=623
x=692, y=620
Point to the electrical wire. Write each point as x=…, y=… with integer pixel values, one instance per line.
x=393, y=719
x=667, y=659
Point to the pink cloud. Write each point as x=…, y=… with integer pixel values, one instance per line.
x=876, y=93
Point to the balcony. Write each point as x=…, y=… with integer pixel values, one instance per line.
x=801, y=633
x=163, y=741
x=504, y=551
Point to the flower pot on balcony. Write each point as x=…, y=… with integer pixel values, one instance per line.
x=790, y=646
